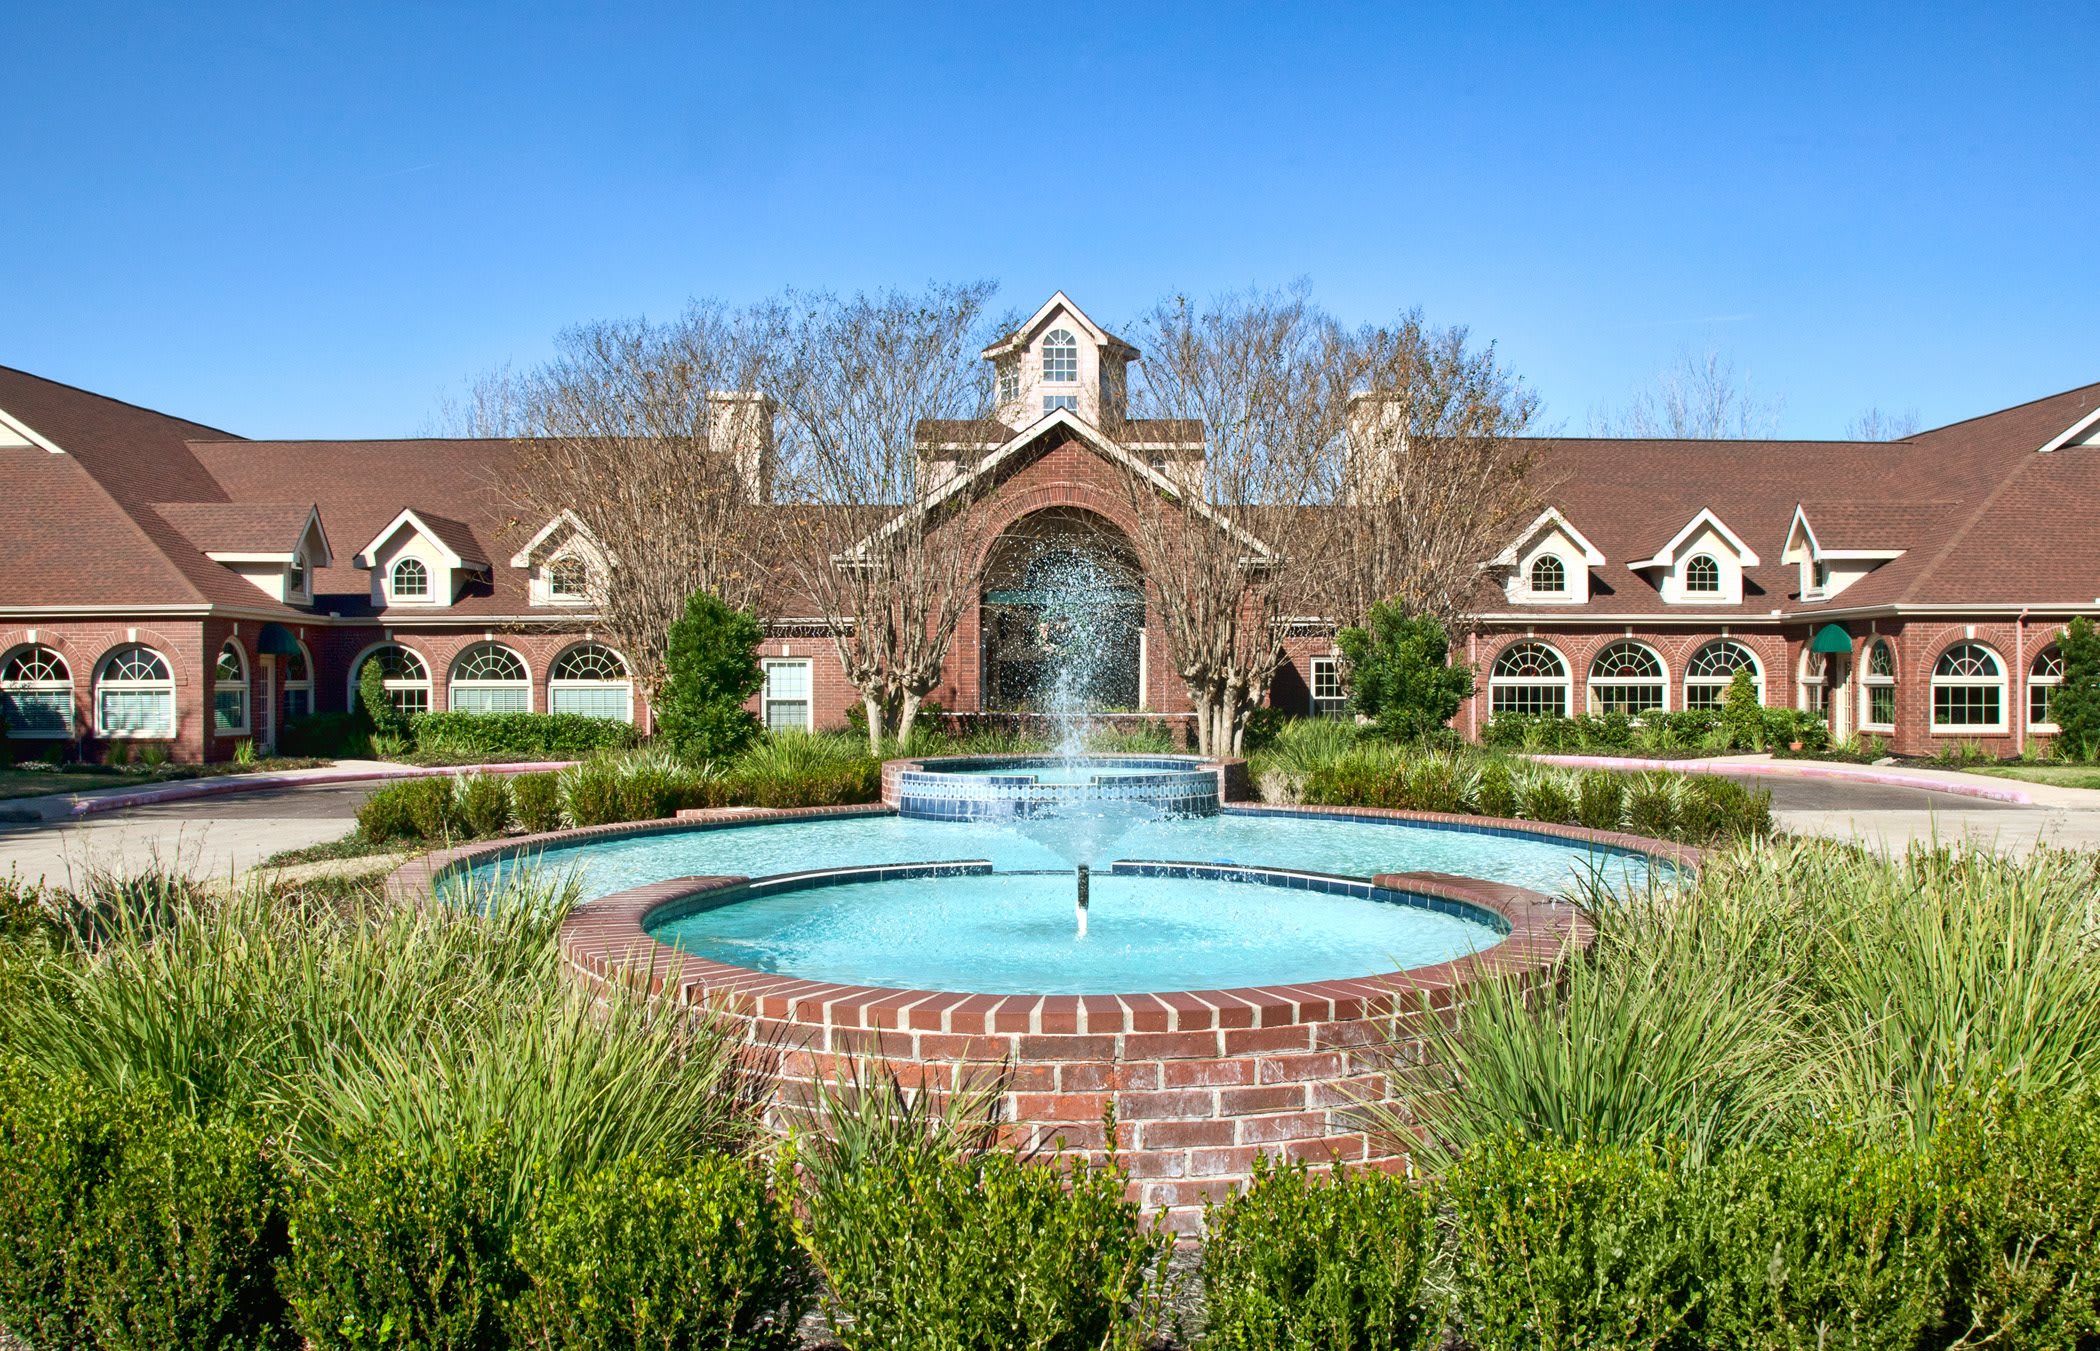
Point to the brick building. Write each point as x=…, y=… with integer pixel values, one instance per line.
x=163, y=581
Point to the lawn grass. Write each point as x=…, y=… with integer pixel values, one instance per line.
x=2059, y=776
x=352, y=845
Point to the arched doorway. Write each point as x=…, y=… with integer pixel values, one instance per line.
x=1063, y=616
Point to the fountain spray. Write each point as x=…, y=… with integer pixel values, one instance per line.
x=1086, y=877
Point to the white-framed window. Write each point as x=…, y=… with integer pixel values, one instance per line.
x=1053, y=402
x=1329, y=700
x=1060, y=358
x=36, y=694
x=1712, y=669
x=1549, y=576
x=1815, y=684
x=1009, y=381
x=490, y=678
x=592, y=680
x=135, y=695
x=295, y=672
x=295, y=579
x=1702, y=576
x=1628, y=677
x=1877, y=688
x=568, y=579
x=1529, y=677
x=787, y=697
x=407, y=679
x=410, y=580
x=1968, y=689
x=229, y=692
x=2044, y=678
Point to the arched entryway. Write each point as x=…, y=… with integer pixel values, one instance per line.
x=1063, y=616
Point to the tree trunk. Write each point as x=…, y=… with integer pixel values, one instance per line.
x=875, y=720
x=907, y=713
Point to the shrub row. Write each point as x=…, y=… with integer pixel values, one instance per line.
x=519, y=736
x=1989, y=1237
x=1713, y=731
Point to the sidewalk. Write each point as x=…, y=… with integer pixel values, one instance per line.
x=1888, y=776
x=89, y=802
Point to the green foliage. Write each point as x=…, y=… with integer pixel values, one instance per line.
x=1600, y=799
x=53, y=1155
x=519, y=736
x=1567, y=1246
x=642, y=1254
x=1742, y=716
x=426, y=808
x=536, y=799
x=1300, y=1264
x=2076, y=706
x=401, y=1248
x=329, y=735
x=710, y=670
x=484, y=805
x=1401, y=675
x=380, y=715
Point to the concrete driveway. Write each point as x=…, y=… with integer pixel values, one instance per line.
x=211, y=836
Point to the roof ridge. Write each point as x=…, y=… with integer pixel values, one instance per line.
x=229, y=437
x=2000, y=412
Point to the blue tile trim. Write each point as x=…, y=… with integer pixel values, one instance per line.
x=672, y=911
x=1325, y=883
x=1461, y=827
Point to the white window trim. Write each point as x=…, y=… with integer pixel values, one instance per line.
x=1661, y=683
x=1567, y=580
x=43, y=687
x=625, y=685
x=2002, y=683
x=2054, y=682
x=1565, y=682
x=393, y=685
x=454, y=683
x=1336, y=707
x=1869, y=682
x=396, y=596
x=809, y=701
x=555, y=597
x=166, y=686
x=244, y=686
x=1071, y=344
x=1720, y=684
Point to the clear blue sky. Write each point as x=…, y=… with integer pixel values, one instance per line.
x=315, y=220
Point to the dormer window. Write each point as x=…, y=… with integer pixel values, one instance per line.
x=1549, y=576
x=1702, y=576
x=1009, y=381
x=295, y=576
x=410, y=580
x=568, y=579
x=1053, y=402
x=1060, y=358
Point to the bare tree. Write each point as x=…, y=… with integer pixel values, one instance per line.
x=1699, y=396
x=1433, y=477
x=1879, y=424
x=886, y=557
x=645, y=435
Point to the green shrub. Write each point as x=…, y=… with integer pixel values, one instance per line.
x=520, y=736
x=1260, y=732
x=1651, y=806
x=931, y=1250
x=373, y=701
x=1714, y=808
x=403, y=1249
x=710, y=670
x=1435, y=783
x=644, y=1255
x=1493, y=794
x=385, y=815
x=1546, y=795
x=424, y=808
x=1567, y=1246
x=1401, y=675
x=536, y=799
x=1300, y=1264
x=2076, y=707
x=1600, y=800
x=590, y=793
x=181, y=1241
x=484, y=805
x=53, y=1156
x=325, y=735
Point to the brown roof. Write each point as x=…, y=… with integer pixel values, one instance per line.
x=238, y=527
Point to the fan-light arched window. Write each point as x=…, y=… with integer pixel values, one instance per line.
x=1628, y=678
x=490, y=678
x=36, y=694
x=568, y=579
x=1712, y=669
x=410, y=580
x=590, y=679
x=1815, y=683
x=1060, y=358
x=406, y=678
x=1702, y=576
x=1878, y=687
x=135, y=695
x=2046, y=677
x=229, y=692
x=295, y=672
x=1968, y=688
x=1529, y=678
x=1549, y=576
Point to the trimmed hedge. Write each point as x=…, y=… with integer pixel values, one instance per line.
x=1681, y=731
x=519, y=736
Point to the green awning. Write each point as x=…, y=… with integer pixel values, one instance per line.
x=276, y=640
x=1833, y=639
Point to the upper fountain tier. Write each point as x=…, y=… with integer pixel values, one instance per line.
x=1010, y=787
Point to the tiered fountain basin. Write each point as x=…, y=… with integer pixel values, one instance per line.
x=1245, y=979
x=1001, y=788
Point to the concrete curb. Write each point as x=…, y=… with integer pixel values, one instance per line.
x=255, y=783
x=1803, y=769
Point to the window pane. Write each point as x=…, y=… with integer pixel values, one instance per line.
x=592, y=701
x=1965, y=705
x=1634, y=699
x=1881, y=705
x=787, y=715
x=229, y=710
x=37, y=713
x=408, y=703
x=787, y=680
x=298, y=703
x=1703, y=696
x=486, y=699
x=143, y=711
x=2039, y=697
x=1530, y=699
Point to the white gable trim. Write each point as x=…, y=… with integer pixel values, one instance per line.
x=320, y=533
x=15, y=432
x=408, y=519
x=2073, y=434
x=1021, y=336
x=1549, y=519
x=527, y=555
x=1744, y=554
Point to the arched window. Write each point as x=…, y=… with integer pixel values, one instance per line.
x=295, y=576
x=1702, y=576
x=1878, y=687
x=229, y=692
x=591, y=679
x=1627, y=678
x=2043, y=681
x=135, y=695
x=1528, y=678
x=568, y=579
x=1009, y=381
x=407, y=679
x=411, y=580
x=1968, y=688
x=1060, y=358
x=490, y=678
x=296, y=671
x=36, y=694
x=1712, y=668
x=1549, y=576
x=1815, y=683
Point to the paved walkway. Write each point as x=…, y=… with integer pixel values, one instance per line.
x=216, y=836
